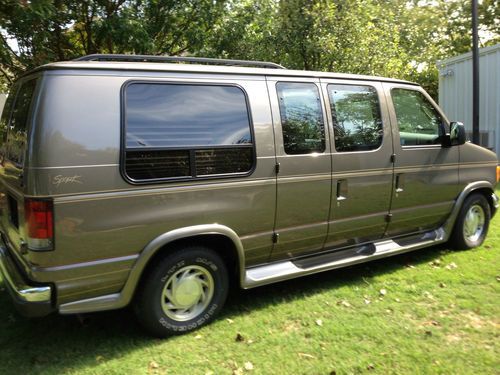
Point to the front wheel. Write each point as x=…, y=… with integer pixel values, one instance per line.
x=472, y=223
x=184, y=291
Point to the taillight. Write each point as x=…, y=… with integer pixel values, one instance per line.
x=39, y=220
x=498, y=173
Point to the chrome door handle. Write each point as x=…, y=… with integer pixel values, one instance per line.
x=400, y=181
x=342, y=190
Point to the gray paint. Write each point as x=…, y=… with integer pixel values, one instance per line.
x=455, y=93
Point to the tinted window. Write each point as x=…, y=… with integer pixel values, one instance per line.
x=186, y=131
x=20, y=112
x=4, y=120
x=14, y=121
x=161, y=115
x=148, y=165
x=418, y=121
x=301, y=118
x=357, y=124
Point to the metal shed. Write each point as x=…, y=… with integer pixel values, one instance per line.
x=455, y=93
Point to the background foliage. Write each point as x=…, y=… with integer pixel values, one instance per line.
x=395, y=38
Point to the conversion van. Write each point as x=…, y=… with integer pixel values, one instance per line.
x=160, y=182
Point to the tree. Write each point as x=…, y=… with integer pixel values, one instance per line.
x=55, y=30
x=437, y=29
x=394, y=38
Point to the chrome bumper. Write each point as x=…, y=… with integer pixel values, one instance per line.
x=496, y=200
x=30, y=300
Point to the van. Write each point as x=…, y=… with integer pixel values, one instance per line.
x=161, y=182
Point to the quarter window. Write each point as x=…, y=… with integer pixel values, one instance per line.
x=186, y=131
x=301, y=118
x=418, y=121
x=357, y=124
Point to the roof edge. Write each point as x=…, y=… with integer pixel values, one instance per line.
x=468, y=55
x=209, y=69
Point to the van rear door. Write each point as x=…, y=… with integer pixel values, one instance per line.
x=15, y=126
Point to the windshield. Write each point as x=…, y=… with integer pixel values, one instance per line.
x=14, y=122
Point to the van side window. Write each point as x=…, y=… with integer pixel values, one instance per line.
x=186, y=131
x=301, y=118
x=357, y=123
x=418, y=121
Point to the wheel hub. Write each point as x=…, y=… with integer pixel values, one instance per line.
x=474, y=223
x=187, y=293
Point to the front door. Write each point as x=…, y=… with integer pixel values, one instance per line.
x=425, y=172
x=304, y=162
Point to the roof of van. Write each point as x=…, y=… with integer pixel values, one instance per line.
x=204, y=68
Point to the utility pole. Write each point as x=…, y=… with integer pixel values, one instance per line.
x=475, y=75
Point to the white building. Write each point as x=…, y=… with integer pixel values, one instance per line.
x=455, y=93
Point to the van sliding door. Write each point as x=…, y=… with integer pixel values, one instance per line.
x=362, y=171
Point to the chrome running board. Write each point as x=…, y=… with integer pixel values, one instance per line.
x=289, y=269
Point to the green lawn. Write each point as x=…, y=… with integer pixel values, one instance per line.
x=431, y=311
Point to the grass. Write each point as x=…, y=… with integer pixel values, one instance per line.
x=430, y=311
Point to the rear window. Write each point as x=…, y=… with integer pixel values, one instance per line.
x=179, y=131
x=14, y=122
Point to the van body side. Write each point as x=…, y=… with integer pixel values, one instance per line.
x=341, y=190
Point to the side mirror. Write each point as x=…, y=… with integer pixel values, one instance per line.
x=456, y=136
x=457, y=133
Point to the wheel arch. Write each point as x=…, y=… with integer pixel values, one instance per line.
x=489, y=195
x=482, y=187
x=220, y=238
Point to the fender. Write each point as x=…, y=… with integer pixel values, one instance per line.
x=450, y=222
x=122, y=299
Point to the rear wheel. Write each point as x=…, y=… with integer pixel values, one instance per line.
x=184, y=291
x=472, y=223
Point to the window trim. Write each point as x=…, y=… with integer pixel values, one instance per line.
x=444, y=120
x=323, y=117
x=192, y=150
x=333, y=125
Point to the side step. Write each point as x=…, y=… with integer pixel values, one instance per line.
x=289, y=269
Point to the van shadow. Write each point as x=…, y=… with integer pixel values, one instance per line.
x=57, y=344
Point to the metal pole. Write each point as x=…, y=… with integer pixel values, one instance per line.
x=475, y=75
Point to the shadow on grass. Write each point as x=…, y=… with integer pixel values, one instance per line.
x=57, y=344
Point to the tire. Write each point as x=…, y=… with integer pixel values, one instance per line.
x=472, y=223
x=183, y=292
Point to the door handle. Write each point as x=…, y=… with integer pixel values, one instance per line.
x=400, y=181
x=342, y=190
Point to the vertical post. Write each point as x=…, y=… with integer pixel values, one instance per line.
x=475, y=75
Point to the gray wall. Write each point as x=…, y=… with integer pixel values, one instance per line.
x=455, y=93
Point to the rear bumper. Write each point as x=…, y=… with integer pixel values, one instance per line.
x=30, y=300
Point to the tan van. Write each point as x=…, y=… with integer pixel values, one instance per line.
x=162, y=181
